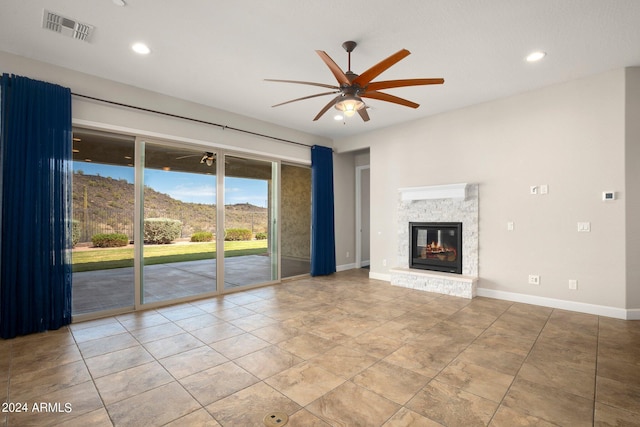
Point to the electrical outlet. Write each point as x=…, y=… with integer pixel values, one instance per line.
x=573, y=284
x=544, y=189
x=534, y=279
x=384, y=262
x=510, y=226
x=347, y=254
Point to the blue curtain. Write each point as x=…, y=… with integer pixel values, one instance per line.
x=323, y=242
x=35, y=135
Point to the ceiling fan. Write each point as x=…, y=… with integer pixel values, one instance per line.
x=353, y=87
x=207, y=158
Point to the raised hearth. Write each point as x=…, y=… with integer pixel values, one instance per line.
x=452, y=284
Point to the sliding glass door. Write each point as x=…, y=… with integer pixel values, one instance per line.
x=250, y=212
x=179, y=223
x=103, y=222
x=150, y=226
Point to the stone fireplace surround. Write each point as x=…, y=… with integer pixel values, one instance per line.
x=440, y=203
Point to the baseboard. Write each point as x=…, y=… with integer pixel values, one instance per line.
x=633, y=314
x=380, y=276
x=581, y=307
x=345, y=267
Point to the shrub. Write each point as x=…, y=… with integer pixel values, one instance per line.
x=76, y=232
x=234, y=234
x=261, y=236
x=202, y=236
x=112, y=240
x=161, y=230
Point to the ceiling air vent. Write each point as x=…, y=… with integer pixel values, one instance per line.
x=69, y=27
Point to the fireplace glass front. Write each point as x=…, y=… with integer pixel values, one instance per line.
x=436, y=246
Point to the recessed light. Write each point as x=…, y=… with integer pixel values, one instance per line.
x=119, y=2
x=141, y=48
x=166, y=168
x=75, y=150
x=536, y=56
x=87, y=160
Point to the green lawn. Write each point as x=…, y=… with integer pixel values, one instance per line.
x=103, y=259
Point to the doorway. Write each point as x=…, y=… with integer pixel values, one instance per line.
x=363, y=199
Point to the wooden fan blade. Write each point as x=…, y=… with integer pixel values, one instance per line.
x=389, y=98
x=326, y=107
x=373, y=72
x=306, y=97
x=303, y=83
x=388, y=84
x=363, y=113
x=340, y=76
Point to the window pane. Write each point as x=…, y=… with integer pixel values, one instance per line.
x=179, y=224
x=103, y=207
x=250, y=250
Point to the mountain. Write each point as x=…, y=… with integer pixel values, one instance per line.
x=108, y=206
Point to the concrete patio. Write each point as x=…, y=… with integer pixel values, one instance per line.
x=101, y=290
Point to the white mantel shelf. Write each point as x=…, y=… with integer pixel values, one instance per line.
x=448, y=191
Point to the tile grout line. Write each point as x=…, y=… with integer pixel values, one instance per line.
x=595, y=376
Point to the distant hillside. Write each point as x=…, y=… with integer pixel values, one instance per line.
x=110, y=208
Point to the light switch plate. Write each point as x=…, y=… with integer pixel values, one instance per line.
x=584, y=227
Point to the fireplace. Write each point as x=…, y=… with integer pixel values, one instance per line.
x=436, y=246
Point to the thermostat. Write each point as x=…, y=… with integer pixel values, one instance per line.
x=608, y=195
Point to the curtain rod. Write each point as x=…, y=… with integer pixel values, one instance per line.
x=191, y=119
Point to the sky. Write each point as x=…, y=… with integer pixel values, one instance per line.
x=186, y=187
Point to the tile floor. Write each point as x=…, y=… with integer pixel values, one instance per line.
x=341, y=351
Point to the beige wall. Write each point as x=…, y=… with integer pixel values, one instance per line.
x=129, y=121
x=632, y=190
x=570, y=137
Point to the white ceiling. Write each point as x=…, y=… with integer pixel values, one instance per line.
x=218, y=52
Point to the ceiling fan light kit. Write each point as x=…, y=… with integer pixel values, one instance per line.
x=207, y=158
x=353, y=87
x=349, y=104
